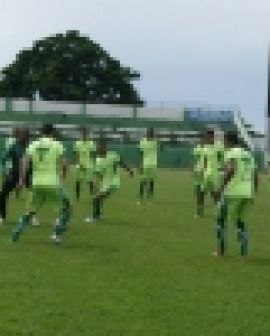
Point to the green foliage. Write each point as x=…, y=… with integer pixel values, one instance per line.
x=145, y=270
x=69, y=67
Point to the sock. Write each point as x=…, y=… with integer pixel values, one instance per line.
x=151, y=189
x=142, y=187
x=242, y=237
x=23, y=221
x=221, y=220
x=78, y=189
x=96, y=207
x=64, y=217
x=220, y=239
x=91, y=187
x=200, y=202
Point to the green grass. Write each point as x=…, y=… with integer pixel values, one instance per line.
x=145, y=270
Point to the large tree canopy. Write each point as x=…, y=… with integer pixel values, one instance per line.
x=69, y=67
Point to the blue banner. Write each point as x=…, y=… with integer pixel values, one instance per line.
x=209, y=116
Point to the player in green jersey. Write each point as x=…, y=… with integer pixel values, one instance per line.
x=107, y=171
x=8, y=143
x=148, y=165
x=85, y=151
x=198, y=174
x=237, y=190
x=49, y=168
x=213, y=161
x=116, y=162
x=7, y=164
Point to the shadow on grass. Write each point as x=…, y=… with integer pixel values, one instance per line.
x=260, y=261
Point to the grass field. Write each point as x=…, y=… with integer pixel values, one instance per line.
x=145, y=270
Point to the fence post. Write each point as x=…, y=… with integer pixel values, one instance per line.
x=31, y=105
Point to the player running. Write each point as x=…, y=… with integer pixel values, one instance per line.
x=10, y=180
x=148, y=166
x=107, y=182
x=85, y=151
x=49, y=168
x=235, y=194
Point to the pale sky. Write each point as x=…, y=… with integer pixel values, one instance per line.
x=205, y=51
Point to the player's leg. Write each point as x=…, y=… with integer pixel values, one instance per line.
x=91, y=187
x=9, y=184
x=242, y=234
x=90, y=178
x=200, y=196
x=98, y=202
x=143, y=185
x=151, y=176
x=35, y=199
x=64, y=216
x=28, y=188
x=17, y=192
x=78, y=182
x=78, y=189
x=221, y=226
x=151, y=189
x=214, y=186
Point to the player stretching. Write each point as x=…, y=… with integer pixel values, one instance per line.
x=235, y=193
x=46, y=155
x=107, y=170
x=148, y=165
x=85, y=156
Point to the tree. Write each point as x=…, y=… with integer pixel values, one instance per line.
x=69, y=67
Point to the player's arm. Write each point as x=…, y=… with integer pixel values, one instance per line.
x=256, y=180
x=23, y=168
x=75, y=156
x=7, y=156
x=62, y=161
x=229, y=172
x=97, y=182
x=63, y=164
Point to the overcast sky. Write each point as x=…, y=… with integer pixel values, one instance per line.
x=205, y=51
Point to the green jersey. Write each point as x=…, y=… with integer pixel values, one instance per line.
x=198, y=155
x=45, y=155
x=8, y=143
x=220, y=149
x=213, y=160
x=104, y=170
x=85, y=151
x=115, y=160
x=242, y=183
x=149, y=150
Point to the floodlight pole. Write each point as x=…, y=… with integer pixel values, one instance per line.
x=267, y=112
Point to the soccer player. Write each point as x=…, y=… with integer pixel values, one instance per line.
x=107, y=171
x=11, y=178
x=8, y=143
x=198, y=175
x=49, y=168
x=148, y=165
x=237, y=190
x=85, y=151
x=115, y=163
x=213, y=162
